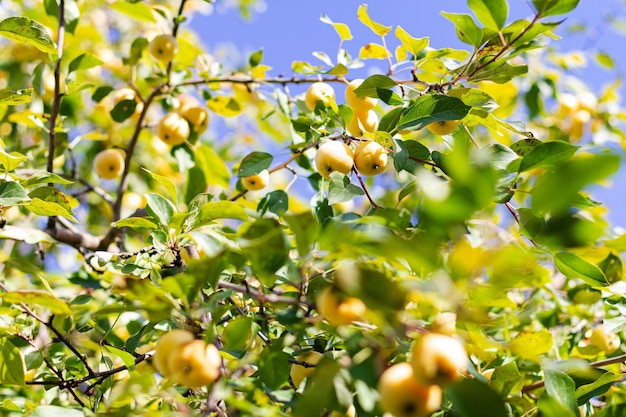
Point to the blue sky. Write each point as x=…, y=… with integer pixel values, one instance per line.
x=289, y=30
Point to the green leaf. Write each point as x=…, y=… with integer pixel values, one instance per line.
x=547, y=8
x=24, y=30
x=364, y=18
x=273, y=367
x=265, y=245
x=474, y=97
x=415, y=150
x=84, y=62
x=612, y=268
x=55, y=411
x=136, y=223
x=472, y=398
x=319, y=390
x=45, y=177
x=505, y=378
x=215, y=170
x=40, y=298
x=341, y=189
x=431, y=108
x=159, y=208
x=52, y=195
x=123, y=110
x=551, y=407
x=372, y=86
x=254, y=163
x=547, y=154
x=341, y=28
x=238, y=333
x=400, y=154
x=598, y=387
x=167, y=183
x=11, y=363
x=561, y=387
x=12, y=193
x=492, y=13
x=500, y=73
x=522, y=147
x=411, y=44
x=466, y=28
x=255, y=58
x=15, y=97
x=214, y=210
x=389, y=121
x=276, y=202
x=46, y=208
x=135, y=10
x=573, y=266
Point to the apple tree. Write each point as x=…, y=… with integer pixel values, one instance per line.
x=181, y=236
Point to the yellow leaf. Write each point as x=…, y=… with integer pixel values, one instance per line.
x=411, y=44
x=259, y=71
x=224, y=106
x=529, y=345
x=401, y=54
x=341, y=28
x=374, y=51
x=377, y=28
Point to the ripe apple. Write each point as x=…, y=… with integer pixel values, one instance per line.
x=608, y=342
x=370, y=158
x=109, y=164
x=196, y=364
x=368, y=121
x=444, y=323
x=403, y=396
x=438, y=359
x=197, y=117
x=163, y=47
x=358, y=104
x=319, y=91
x=256, y=182
x=185, y=102
x=299, y=372
x=173, y=129
x=443, y=127
x=334, y=156
x=169, y=345
x=338, y=311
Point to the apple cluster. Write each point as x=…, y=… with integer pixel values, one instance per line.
x=176, y=127
x=414, y=388
x=185, y=360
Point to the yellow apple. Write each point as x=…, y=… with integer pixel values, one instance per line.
x=169, y=345
x=299, y=372
x=443, y=127
x=370, y=158
x=197, y=117
x=109, y=164
x=196, y=364
x=185, y=102
x=363, y=121
x=358, y=104
x=438, y=359
x=256, y=182
x=163, y=47
x=339, y=311
x=334, y=156
x=403, y=396
x=319, y=91
x=173, y=129
x=608, y=342
x=444, y=323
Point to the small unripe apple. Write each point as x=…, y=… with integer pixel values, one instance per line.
x=109, y=164
x=358, y=104
x=443, y=127
x=319, y=91
x=334, y=156
x=256, y=182
x=438, y=359
x=444, y=323
x=173, y=129
x=299, y=372
x=338, y=311
x=608, y=342
x=196, y=364
x=197, y=117
x=163, y=47
x=403, y=396
x=169, y=345
x=368, y=121
x=370, y=158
